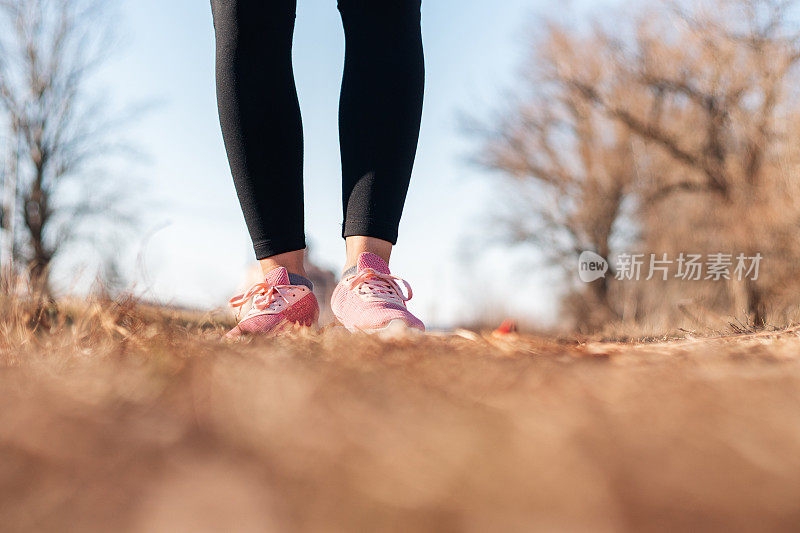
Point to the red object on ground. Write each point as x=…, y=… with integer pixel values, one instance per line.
x=507, y=327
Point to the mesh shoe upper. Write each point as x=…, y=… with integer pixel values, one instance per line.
x=371, y=297
x=276, y=304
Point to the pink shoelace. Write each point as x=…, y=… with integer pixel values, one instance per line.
x=263, y=295
x=380, y=285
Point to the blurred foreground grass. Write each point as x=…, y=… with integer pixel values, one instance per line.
x=121, y=417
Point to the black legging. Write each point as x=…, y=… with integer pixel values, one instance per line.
x=379, y=115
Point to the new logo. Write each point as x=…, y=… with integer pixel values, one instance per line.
x=591, y=266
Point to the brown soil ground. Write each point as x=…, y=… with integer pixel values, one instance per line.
x=117, y=419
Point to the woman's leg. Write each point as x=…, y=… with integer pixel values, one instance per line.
x=261, y=125
x=379, y=118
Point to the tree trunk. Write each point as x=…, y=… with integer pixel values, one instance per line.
x=602, y=310
x=755, y=305
x=36, y=216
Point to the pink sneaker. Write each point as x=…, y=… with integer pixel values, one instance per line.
x=370, y=299
x=277, y=306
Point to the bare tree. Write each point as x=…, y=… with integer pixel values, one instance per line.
x=570, y=166
x=684, y=111
x=716, y=89
x=49, y=51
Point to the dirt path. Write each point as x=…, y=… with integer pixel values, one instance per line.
x=164, y=430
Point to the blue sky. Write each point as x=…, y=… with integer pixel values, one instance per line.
x=192, y=247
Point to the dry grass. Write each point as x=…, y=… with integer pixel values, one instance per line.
x=120, y=418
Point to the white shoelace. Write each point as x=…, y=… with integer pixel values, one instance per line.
x=377, y=286
x=264, y=296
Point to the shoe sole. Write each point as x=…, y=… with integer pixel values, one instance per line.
x=280, y=328
x=394, y=327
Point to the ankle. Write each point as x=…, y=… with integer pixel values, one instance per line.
x=293, y=262
x=293, y=271
x=358, y=245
